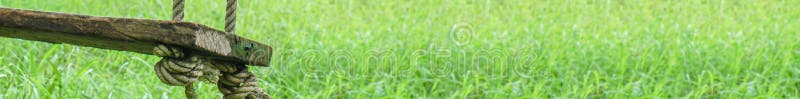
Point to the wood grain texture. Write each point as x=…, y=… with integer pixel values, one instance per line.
x=134, y=35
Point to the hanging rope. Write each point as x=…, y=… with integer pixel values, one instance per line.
x=176, y=69
x=236, y=82
x=177, y=15
x=230, y=16
x=177, y=10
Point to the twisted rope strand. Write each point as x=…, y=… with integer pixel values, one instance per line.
x=177, y=10
x=230, y=16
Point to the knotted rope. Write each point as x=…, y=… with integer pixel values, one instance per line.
x=177, y=69
x=177, y=15
x=236, y=82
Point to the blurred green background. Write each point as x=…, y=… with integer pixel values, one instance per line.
x=447, y=49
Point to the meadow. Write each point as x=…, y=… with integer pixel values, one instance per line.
x=447, y=49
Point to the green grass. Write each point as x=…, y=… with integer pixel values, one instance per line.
x=404, y=48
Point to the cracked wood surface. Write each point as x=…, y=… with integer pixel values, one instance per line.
x=134, y=35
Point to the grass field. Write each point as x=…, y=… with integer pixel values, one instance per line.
x=448, y=49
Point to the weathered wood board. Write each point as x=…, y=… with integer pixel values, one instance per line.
x=135, y=35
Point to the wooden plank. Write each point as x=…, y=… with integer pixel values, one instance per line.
x=134, y=35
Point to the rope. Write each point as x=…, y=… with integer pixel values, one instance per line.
x=237, y=82
x=230, y=16
x=177, y=72
x=176, y=69
x=177, y=10
x=171, y=69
